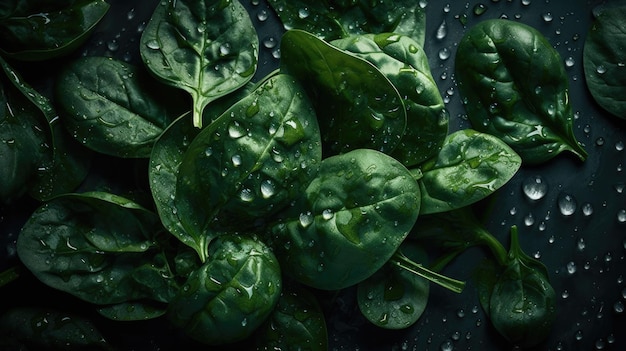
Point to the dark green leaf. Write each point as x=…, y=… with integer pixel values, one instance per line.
x=133, y=311
x=514, y=86
x=99, y=247
x=470, y=166
x=231, y=295
x=207, y=48
x=250, y=162
x=604, y=58
x=403, y=61
x=40, y=30
x=350, y=220
x=356, y=104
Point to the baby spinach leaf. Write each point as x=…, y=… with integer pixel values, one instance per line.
x=23, y=141
x=63, y=163
x=470, y=166
x=403, y=61
x=519, y=300
x=331, y=20
x=357, y=106
x=250, y=162
x=231, y=294
x=207, y=48
x=133, y=311
x=111, y=107
x=394, y=298
x=604, y=58
x=514, y=86
x=99, y=247
x=349, y=221
x=297, y=320
x=36, y=31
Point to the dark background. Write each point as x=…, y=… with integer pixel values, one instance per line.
x=584, y=251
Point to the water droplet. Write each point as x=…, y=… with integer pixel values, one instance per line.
x=262, y=15
x=619, y=187
x=442, y=30
x=525, y=2
x=479, y=9
x=270, y=42
x=618, y=307
x=447, y=346
x=444, y=54
x=587, y=209
x=246, y=195
x=569, y=61
x=235, y=130
x=567, y=204
x=236, y=159
x=571, y=267
x=529, y=220
x=130, y=14
x=535, y=187
x=328, y=214
x=621, y=216
x=303, y=13
x=619, y=146
x=208, y=152
x=306, y=218
x=224, y=49
x=268, y=189
x=153, y=44
x=547, y=17
x=113, y=45
x=601, y=69
x=580, y=245
x=565, y=294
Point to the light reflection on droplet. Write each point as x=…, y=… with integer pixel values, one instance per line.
x=535, y=187
x=567, y=204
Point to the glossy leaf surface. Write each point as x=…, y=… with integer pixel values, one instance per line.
x=514, y=86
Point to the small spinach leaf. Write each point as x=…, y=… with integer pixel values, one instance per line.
x=356, y=104
x=405, y=64
x=33, y=31
x=394, y=298
x=111, y=107
x=231, y=294
x=514, y=86
x=99, y=247
x=349, y=221
x=470, y=166
x=604, y=58
x=207, y=48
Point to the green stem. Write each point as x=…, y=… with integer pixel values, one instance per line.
x=400, y=260
x=496, y=248
x=9, y=275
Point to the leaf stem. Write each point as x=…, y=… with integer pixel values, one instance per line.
x=400, y=260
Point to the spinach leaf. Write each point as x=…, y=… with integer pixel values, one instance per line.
x=470, y=166
x=111, y=107
x=331, y=20
x=348, y=222
x=249, y=163
x=51, y=329
x=297, y=322
x=23, y=141
x=604, y=58
x=394, y=298
x=207, y=48
x=99, y=247
x=231, y=294
x=357, y=106
x=63, y=163
x=519, y=300
x=33, y=30
x=514, y=86
x=403, y=61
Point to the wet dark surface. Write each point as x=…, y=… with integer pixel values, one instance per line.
x=577, y=228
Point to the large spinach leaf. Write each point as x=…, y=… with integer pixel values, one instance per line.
x=208, y=48
x=470, y=166
x=514, y=86
x=33, y=30
x=249, y=163
x=337, y=19
x=111, y=107
x=357, y=106
x=99, y=247
x=349, y=221
x=405, y=64
x=604, y=58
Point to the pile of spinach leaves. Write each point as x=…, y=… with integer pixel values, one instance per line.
x=336, y=170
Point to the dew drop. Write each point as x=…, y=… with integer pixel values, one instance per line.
x=208, y=151
x=236, y=159
x=246, y=195
x=601, y=69
x=442, y=30
x=571, y=267
x=580, y=245
x=235, y=130
x=618, y=307
x=303, y=13
x=262, y=15
x=328, y=214
x=619, y=146
x=569, y=61
x=621, y=216
x=268, y=189
x=479, y=9
x=306, y=218
x=270, y=42
x=153, y=44
x=547, y=17
x=444, y=54
x=587, y=209
x=567, y=204
x=535, y=187
x=619, y=187
x=529, y=220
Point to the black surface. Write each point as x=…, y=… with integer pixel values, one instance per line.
x=584, y=251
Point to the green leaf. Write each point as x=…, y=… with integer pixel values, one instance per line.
x=207, y=48
x=99, y=247
x=36, y=31
x=111, y=106
x=348, y=222
x=248, y=164
x=514, y=86
x=604, y=58
x=403, y=61
x=357, y=106
x=470, y=166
